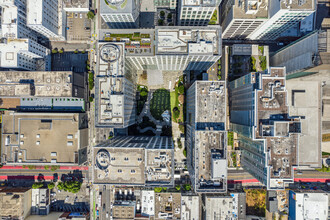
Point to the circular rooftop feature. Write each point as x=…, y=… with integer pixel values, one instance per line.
x=116, y=4
x=109, y=52
x=102, y=159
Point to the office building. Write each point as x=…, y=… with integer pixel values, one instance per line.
x=283, y=15
x=268, y=135
x=76, y=6
x=239, y=19
x=15, y=203
x=197, y=12
x=42, y=17
x=224, y=207
x=13, y=20
x=190, y=207
x=40, y=202
x=313, y=85
x=206, y=136
x=165, y=3
x=148, y=203
x=298, y=55
x=44, y=138
x=180, y=48
x=134, y=161
x=24, y=54
x=120, y=14
x=114, y=88
x=308, y=205
x=43, y=91
x=167, y=205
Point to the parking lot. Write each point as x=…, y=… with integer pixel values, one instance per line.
x=69, y=61
x=78, y=27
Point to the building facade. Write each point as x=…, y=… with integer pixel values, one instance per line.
x=206, y=136
x=282, y=16
x=239, y=19
x=42, y=17
x=196, y=12
x=120, y=14
x=24, y=54
x=268, y=135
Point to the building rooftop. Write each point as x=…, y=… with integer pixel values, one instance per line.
x=124, y=210
x=15, y=203
x=42, y=137
x=231, y=206
x=188, y=40
x=190, y=207
x=117, y=6
x=36, y=83
x=298, y=4
x=211, y=161
x=168, y=205
x=75, y=4
x=205, y=3
x=110, y=84
x=211, y=105
x=148, y=161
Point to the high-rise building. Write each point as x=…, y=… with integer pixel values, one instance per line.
x=241, y=18
x=135, y=161
x=283, y=15
x=268, y=136
x=24, y=54
x=13, y=20
x=181, y=48
x=196, y=12
x=308, y=205
x=120, y=14
x=115, y=88
x=42, y=17
x=165, y=3
x=206, y=136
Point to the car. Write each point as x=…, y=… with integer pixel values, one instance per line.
x=81, y=15
x=104, y=187
x=103, y=207
x=107, y=215
x=280, y=44
x=75, y=15
x=299, y=173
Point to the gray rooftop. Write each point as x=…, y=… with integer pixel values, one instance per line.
x=39, y=84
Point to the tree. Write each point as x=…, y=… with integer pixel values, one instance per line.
x=90, y=15
x=143, y=93
x=61, y=50
x=176, y=113
x=1, y=165
x=46, y=167
x=76, y=51
x=37, y=185
x=169, y=16
x=158, y=189
x=91, y=99
x=162, y=13
x=51, y=185
x=160, y=22
x=181, y=128
x=54, y=167
x=178, y=187
x=181, y=89
x=187, y=187
x=54, y=51
x=184, y=152
x=60, y=185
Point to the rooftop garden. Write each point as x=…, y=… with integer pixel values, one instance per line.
x=214, y=18
x=116, y=7
x=132, y=37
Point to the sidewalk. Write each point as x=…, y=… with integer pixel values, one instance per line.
x=43, y=167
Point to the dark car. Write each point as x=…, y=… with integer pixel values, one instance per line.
x=55, y=177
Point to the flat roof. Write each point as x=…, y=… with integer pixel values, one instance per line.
x=250, y=9
x=298, y=4
x=188, y=40
x=76, y=4
x=205, y=3
x=117, y=6
x=40, y=137
x=211, y=103
x=35, y=83
x=147, y=160
x=168, y=205
x=14, y=203
x=190, y=206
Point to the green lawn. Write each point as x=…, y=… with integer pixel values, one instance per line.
x=159, y=103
